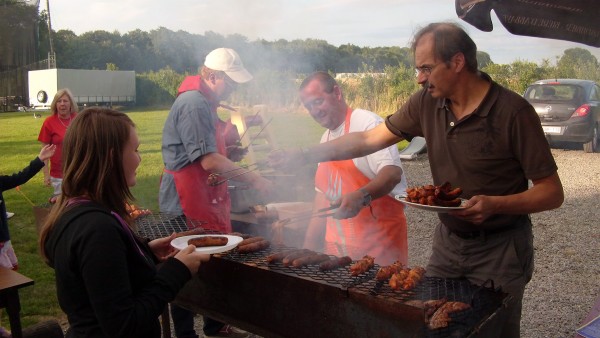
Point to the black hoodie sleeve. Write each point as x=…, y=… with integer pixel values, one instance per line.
x=11, y=181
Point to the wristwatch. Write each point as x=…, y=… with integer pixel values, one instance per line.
x=367, y=198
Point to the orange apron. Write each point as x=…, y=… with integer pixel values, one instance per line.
x=199, y=200
x=380, y=234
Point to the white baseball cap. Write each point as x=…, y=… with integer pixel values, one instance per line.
x=228, y=61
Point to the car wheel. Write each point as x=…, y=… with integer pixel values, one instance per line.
x=594, y=145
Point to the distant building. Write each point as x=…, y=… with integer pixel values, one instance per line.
x=341, y=76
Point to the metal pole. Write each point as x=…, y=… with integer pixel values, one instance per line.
x=51, y=55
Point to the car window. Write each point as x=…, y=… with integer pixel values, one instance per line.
x=552, y=92
x=595, y=94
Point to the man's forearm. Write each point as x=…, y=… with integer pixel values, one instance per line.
x=352, y=145
x=384, y=182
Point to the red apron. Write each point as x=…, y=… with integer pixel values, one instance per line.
x=199, y=200
x=381, y=234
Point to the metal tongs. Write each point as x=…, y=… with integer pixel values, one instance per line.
x=319, y=213
x=214, y=179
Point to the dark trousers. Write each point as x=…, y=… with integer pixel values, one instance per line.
x=211, y=327
x=506, y=258
x=183, y=321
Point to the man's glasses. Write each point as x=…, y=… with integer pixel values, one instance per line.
x=425, y=70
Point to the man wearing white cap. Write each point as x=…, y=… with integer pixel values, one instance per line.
x=193, y=147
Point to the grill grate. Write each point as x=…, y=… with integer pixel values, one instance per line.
x=159, y=225
x=338, y=277
x=484, y=301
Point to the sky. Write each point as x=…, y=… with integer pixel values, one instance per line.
x=364, y=23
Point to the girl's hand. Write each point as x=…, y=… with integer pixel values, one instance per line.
x=191, y=258
x=47, y=152
x=162, y=249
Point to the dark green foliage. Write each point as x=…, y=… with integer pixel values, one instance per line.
x=157, y=88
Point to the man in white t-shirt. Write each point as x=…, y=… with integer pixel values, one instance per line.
x=369, y=221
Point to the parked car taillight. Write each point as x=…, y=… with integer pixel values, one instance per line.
x=582, y=111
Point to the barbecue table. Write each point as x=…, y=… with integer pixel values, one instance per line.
x=277, y=301
x=10, y=283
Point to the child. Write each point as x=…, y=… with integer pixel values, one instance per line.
x=7, y=254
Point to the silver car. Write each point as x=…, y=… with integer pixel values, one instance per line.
x=569, y=111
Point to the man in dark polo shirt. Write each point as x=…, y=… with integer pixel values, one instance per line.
x=481, y=137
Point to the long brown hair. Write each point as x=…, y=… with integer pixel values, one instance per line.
x=92, y=153
x=58, y=95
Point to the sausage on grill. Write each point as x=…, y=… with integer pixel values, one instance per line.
x=287, y=261
x=278, y=256
x=315, y=258
x=195, y=231
x=250, y=240
x=335, y=262
x=254, y=246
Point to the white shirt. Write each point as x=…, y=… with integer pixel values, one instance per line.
x=370, y=165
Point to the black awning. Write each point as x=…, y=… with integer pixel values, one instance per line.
x=571, y=20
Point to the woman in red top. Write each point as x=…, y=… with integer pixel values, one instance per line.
x=64, y=109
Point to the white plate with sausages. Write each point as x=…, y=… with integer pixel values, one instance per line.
x=433, y=208
x=232, y=241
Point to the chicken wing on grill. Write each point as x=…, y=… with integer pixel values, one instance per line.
x=362, y=265
x=441, y=317
x=385, y=272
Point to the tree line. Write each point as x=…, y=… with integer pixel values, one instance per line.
x=161, y=59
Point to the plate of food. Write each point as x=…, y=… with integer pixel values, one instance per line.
x=434, y=208
x=207, y=244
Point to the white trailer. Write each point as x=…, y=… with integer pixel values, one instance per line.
x=89, y=87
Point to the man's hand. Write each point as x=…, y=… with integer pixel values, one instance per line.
x=235, y=153
x=349, y=205
x=478, y=209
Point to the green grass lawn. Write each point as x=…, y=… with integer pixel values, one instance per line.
x=19, y=145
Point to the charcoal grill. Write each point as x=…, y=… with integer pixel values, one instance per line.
x=273, y=300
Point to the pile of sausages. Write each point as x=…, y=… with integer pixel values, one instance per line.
x=435, y=195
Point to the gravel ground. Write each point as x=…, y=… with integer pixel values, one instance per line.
x=566, y=279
